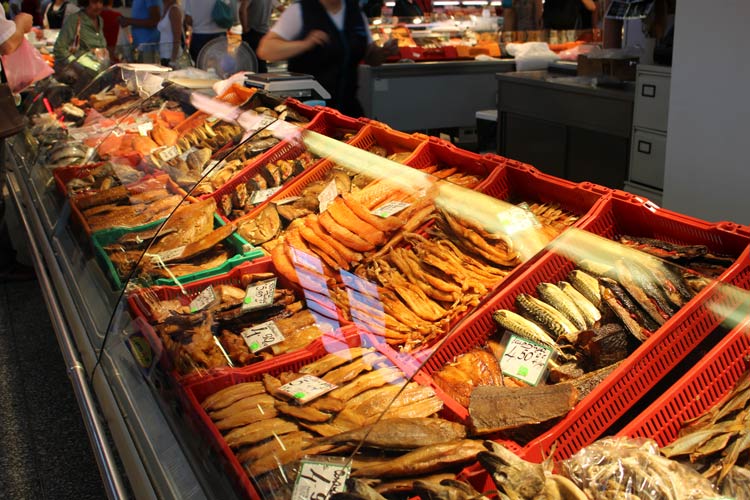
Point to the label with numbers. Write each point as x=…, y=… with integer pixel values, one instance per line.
x=204, y=299
x=263, y=194
x=284, y=201
x=172, y=254
x=264, y=335
x=307, y=388
x=525, y=360
x=390, y=208
x=144, y=128
x=327, y=196
x=259, y=295
x=319, y=478
x=169, y=154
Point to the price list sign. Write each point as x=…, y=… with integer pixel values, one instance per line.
x=259, y=295
x=525, y=360
x=319, y=479
x=307, y=388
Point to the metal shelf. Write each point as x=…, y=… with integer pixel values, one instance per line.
x=124, y=414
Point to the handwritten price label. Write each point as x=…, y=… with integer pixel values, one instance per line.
x=259, y=295
x=261, y=336
x=145, y=127
x=327, y=196
x=307, y=388
x=263, y=194
x=390, y=208
x=320, y=479
x=169, y=255
x=169, y=154
x=204, y=299
x=525, y=360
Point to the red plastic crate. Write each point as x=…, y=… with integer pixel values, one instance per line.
x=331, y=123
x=63, y=175
x=712, y=378
x=445, y=155
x=77, y=214
x=640, y=371
x=199, y=390
x=521, y=182
x=141, y=310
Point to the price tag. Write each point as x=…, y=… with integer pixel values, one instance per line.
x=259, y=295
x=168, y=255
x=261, y=336
x=285, y=201
x=203, y=300
x=390, y=208
x=263, y=194
x=319, y=479
x=144, y=128
x=307, y=388
x=169, y=154
x=209, y=168
x=327, y=196
x=525, y=360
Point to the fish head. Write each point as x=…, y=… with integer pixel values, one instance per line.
x=518, y=478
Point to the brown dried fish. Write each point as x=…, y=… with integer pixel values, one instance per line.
x=422, y=460
x=401, y=433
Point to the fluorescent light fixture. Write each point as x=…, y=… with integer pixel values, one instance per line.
x=416, y=20
x=446, y=2
x=390, y=4
x=475, y=2
x=496, y=4
x=377, y=21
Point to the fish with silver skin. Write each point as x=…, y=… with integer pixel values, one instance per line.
x=555, y=297
x=587, y=285
x=591, y=314
x=546, y=315
x=519, y=325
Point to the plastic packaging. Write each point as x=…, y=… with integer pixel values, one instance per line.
x=27, y=67
x=531, y=55
x=625, y=468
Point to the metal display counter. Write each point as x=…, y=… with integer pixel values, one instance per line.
x=122, y=412
x=429, y=95
x=565, y=125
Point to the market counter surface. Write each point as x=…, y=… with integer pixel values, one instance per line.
x=429, y=95
x=565, y=125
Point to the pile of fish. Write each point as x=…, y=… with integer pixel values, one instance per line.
x=371, y=405
x=213, y=336
x=187, y=243
x=243, y=197
x=581, y=320
x=619, y=468
x=717, y=442
x=129, y=205
x=108, y=175
x=695, y=257
x=68, y=152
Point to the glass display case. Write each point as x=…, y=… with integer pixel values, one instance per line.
x=264, y=299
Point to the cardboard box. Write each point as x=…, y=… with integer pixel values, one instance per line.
x=620, y=68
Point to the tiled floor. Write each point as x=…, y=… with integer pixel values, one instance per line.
x=44, y=449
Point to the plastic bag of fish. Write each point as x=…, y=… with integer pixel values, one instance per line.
x=615, y=468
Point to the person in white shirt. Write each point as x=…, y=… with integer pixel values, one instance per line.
x=204, y=29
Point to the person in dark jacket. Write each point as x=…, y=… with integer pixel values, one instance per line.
x=326, y=39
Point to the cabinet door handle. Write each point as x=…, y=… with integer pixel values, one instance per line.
x=648, y=90
x=644, y=147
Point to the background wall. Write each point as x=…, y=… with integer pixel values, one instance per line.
x=708, y=140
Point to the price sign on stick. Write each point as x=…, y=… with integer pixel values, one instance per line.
x=169, y=154
x=320, y=477
x=259, y=295
x=203, y=300
x=390, y=208
x=525, y=360
x=327, y=196
x=263, y=194
x=260, y=336
x=307, y=388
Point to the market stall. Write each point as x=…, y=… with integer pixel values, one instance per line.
x=261, y=299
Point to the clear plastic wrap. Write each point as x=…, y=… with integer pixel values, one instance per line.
x=625, y=468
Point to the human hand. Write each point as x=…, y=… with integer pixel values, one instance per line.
x=39, y=33
x=24, y=22
x=316, y=38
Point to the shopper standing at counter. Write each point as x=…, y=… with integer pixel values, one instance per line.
x=145, y=16
x=198, y=16
x=56, y=13
x=170, y=33
x=81, y=33
x=326, y=39
x=11, y=36
x=255, y=16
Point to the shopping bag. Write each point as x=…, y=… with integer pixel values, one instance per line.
x=223, y=13
x=25, y=66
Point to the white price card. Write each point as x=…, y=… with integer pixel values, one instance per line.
x=263, y=194
x=307, y=388
x=204, y=299
x=263, y=335
x=327, y=196
x=390, y=208
x=319, y=478
x=169, y=255
x=169, y=154
x=209, y=168
x=259, y=295
x=144, y=128
x=284, y=201
x=525, y=360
